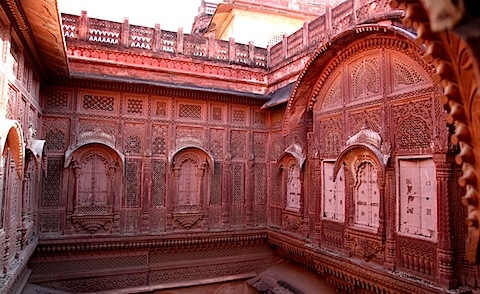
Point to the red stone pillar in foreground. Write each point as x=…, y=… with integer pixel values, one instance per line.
x=445, y=250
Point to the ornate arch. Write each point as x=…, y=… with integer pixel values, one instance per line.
x=70, y=152
x=180, y=152
x=11, y=137
x=328, y=57
x=294, y=151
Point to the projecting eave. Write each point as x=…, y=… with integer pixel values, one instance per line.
x=43, y=25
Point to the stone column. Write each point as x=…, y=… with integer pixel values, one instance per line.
x=445, y=250
x=390, y=207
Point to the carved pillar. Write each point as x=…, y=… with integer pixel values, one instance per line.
x=249, y=189
x=317, y=176
x=382, y=202
x=390, y=215
x=171, y=201
x=147, y=185
x=445, y=249
x=226, y=191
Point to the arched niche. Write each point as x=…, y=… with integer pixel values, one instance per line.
x=367, y=169
x=94, y=187
x=291, y=164
x=192, y=168
x=11, y=138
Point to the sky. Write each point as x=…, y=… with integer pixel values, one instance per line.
x=170, y=14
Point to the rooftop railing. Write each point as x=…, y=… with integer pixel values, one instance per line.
x=335, y=20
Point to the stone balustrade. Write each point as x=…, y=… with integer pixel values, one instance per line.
x=335, y=20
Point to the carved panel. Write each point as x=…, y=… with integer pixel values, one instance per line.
x=90, y=131
x=53, y=182
x=132, y=182
x=98, y=102
x=189, y=136
x=332, y=234
x=216, y=142
x=405, y=74
x=260, y=144
x=238, y=142
x=160, y=108
x=216, y=184
x=277, y=145
x=417, y=256
x=331, y=137
x=238, y=194
x=131, y=220
x=239, y=116
x=190, y=111
x=158, y=185
x=57, y=99
x=365, y=78
x=333, y=96
x=56, y=134
x=11, y=102
x=413, y=133
x=133, y=136
x=260, y=118
x=135, y=106
x=159, y=140
x=217, y=113
x=372, y=118
x=369, y=247
x=50, y=222
x=260, y=193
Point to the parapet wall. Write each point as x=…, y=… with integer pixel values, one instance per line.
x=335, y=20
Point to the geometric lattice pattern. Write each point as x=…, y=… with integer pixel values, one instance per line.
x=57, y=99
x=260, y=117
x=161, y=109
x=259, y=144
x=260, y=183
x=413, y=133
x=96, y=102
x=133, y=145
x=405, y=74
x=135, y=106
x=216, y=142
x=53, y=182
x=238, y=183
x=216, y=184
x=55, y=140
x=190, y=111
x=159, y=136
x=238, y=142
x=238, y=115
x=158, y=192
x=132, y=182
x=50, y=223
x=216, y=113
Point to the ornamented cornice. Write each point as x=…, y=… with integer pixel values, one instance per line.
x=163, y=91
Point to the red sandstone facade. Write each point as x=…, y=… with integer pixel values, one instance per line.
x=142, y=159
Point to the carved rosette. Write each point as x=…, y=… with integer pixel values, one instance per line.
x=367, y=246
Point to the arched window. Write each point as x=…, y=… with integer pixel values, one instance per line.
x=333, y=202
x=294, y=188
x=367, y=196
x=188, y=185
x=93, y=180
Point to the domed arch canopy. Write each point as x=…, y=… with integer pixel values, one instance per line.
x=11, y=136
x=70, y=152
x=294, y=151
x=351, y=153
x=195, y=149
x=329, y=55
